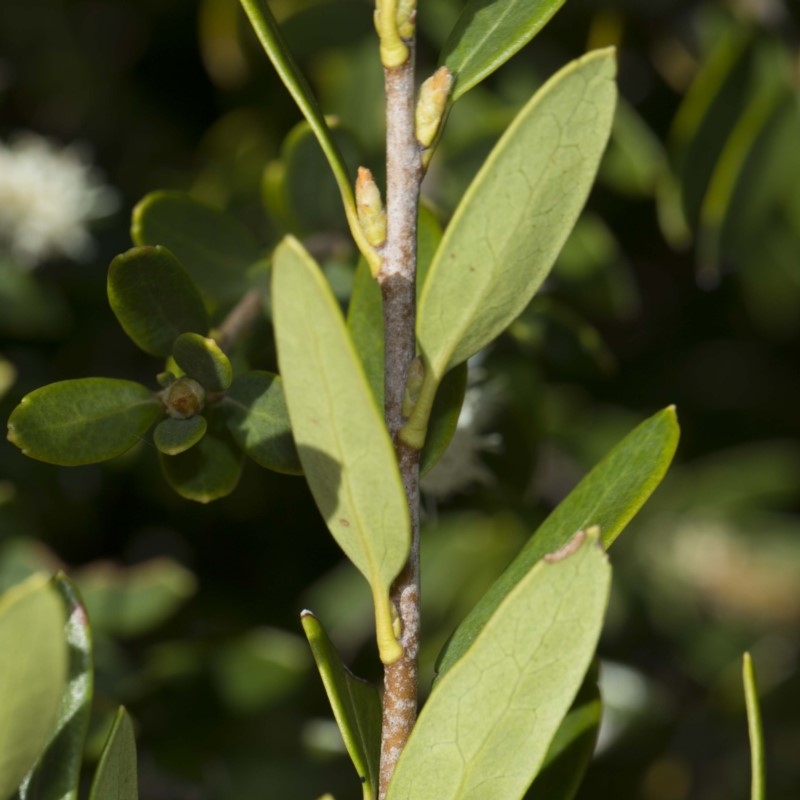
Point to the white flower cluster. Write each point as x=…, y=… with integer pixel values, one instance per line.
x=48, y=195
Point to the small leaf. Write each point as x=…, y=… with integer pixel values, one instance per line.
x=202, y=359
x=33, y=669
x=82, y=421
x=213, y=246
x=116, y=778
x=255, y=412
x=172, y=436
x=490, y=720
x=444, y=417
x=609, y=496
x=154, y=299
x=57, y=772
x=356, y=705
x=488, y=33
x=209, y=470
x=757, y=784
x=514, y=219
x=344, y=447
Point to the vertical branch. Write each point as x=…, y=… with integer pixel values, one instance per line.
x=397, y=279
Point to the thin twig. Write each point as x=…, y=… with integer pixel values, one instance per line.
x=239, y=321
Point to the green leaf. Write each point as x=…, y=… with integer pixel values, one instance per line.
x=490, y=720
x=757, y=790
x=82, y=421
x=514, y=219
x=572, y=747
x=256, y=414
x=488, y=33
x=444, y=417
x=213, y=246
x=154, y=299
x=172, y=436
x=609, y=496
x=209, y=470
x=269, y=34
x=356, y=706
x=115, y=778
x=202, y=359
x=57, y=772
x=33, y=669
x=344, y=447
x=130, y=601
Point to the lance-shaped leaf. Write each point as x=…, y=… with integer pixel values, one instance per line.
x=33, y=668
x=82, y=421
x=489, y=721
x=116, y=777
x=488, y=33
x=154, y=299
x=173, y=436
x=202, y=358
x=57, y=772
x=344, y=447
x=356, y=705
x=514, y=219
x=609, y=496
x=757, y=778
x=214, y=247
x=258, y=419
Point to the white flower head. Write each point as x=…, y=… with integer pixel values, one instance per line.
x=48, y=195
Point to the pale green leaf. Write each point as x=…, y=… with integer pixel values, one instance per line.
x=172, y=436
x=116, y=778
x=344, y=447
x=356, y=705
x=33, y=669
x=202, y=358
x=488, y=33
x=757, y=766
x=514, y=219
x=57, y=772
x=609, y=496
x=489, y=721
x=82, y=421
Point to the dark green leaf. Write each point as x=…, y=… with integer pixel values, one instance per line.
x=172, y=436
x=82, y=421
x=257, y=417
x=116, y=778
x=202, y=359
x=488, y=33
x=213, y=246
x=444, y=417
x=609, y=496
x=154, y=299
x=356, y=705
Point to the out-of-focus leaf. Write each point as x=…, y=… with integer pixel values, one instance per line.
x=154, y=299
x=172, y=436
x=202, y=359
x=513, y=220
x=116, y=777
x=356, y=705
x=344, y=447
x=757, y=782
x=57, y=772
x=29, y=307
x=209, y=470
x=255, y=411
x=488, y=33
x=8, y=375
x=215, y=249
x=490, y=720
x=33, y=669
x=609, y=496
x=82, y=421
x=129, y=601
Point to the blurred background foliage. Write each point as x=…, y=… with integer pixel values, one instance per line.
x=681, y=284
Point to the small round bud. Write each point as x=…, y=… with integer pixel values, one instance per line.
x=183, y=398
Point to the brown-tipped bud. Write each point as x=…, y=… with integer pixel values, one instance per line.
x=431, y=105
x=371, y=215
x=183, y=398
x=406, y=18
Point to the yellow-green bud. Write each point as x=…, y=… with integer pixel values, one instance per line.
x=394, y=52
x=406, y=18
x=431, y=105
x=183, y=398
x=371, y=215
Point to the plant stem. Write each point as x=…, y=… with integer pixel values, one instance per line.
x=239, y=321
x=397, y=278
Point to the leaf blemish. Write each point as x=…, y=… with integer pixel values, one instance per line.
x=345, y=522
x=567, y=550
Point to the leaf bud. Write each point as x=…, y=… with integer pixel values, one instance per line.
x=406, y=18
x=431, y=105
x=394, y=52
x=371, y=214
x=183, y=398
